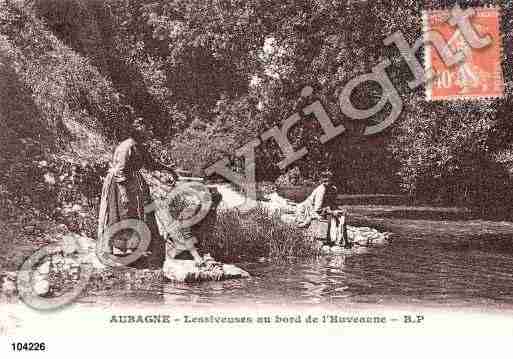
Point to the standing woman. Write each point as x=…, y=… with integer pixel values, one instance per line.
x=125, y=193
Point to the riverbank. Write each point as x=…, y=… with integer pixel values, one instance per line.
x=401, y=216
x=442, y=262
x=258, y=234
x=450, y=225
x=24, y=232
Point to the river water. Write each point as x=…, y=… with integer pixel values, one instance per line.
x=406, y=271
x=428, y=269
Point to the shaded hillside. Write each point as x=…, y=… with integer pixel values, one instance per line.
x=91, y=28
x=55, y=108
x=209, y=76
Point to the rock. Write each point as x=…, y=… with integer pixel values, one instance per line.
x=187, y=271
x=44, y=268
x=359, y=249
x=375, y=236
x=179, y=270
x=41, y=286
x=360, y=239
x=231, y=271
x=337, y=250
x=378, y=239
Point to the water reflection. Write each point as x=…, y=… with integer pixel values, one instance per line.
x=404, y=271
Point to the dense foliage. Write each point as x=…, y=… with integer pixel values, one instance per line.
x=209, y=75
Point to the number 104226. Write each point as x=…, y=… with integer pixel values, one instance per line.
x=22, y=347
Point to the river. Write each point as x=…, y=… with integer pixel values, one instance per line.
x=429, y=263
x=407, y=271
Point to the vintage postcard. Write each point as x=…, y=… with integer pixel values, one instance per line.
x=237, y=178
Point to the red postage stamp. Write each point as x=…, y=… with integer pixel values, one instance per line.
x=479, y=75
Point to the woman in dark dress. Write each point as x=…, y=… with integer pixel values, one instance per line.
x=125, y=194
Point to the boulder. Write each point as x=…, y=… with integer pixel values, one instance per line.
x=44, y=268
x=186, y=271
x=41, y=285
x=365, y=236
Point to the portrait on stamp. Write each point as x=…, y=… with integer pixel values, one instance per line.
x=479, y=75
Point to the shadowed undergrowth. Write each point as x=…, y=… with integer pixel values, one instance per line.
x=252, y=235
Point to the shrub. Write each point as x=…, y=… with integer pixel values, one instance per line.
x=249, y=236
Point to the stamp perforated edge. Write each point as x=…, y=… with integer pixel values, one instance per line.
x=427, y=56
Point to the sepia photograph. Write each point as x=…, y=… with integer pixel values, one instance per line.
x=234, y=166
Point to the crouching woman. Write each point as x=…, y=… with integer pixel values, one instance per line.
x=316, y=213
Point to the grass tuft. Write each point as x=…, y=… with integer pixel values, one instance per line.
x=252, y=235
